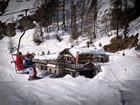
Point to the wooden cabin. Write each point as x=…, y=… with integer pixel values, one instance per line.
x=74, y=62
x=83, y=55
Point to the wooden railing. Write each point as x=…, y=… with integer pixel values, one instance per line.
x=61, y=64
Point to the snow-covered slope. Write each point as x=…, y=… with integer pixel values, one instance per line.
x=117, y=84
x=15, y=6
x=27, y=44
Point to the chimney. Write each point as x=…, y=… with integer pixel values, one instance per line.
x=77, y=57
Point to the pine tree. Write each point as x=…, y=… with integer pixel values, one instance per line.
x=116, y=15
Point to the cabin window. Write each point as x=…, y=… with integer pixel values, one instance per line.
x=54, y=71
x=50, y=70
x=43, y=68
x=69, y=59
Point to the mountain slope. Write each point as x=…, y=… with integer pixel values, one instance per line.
x=117, y=84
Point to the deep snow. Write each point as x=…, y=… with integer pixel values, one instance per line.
x=117, y=84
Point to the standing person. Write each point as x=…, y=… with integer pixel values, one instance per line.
x=21, y=68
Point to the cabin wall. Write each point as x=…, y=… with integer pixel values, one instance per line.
x=41, y=66
x=53, y=70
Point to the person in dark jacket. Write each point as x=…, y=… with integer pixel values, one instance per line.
x=28, y=61
x=30, y=64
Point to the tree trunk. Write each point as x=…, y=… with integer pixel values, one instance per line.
x=82, y=16
x=73, y=21
x=64, y=25
x=57, y=16
x=125, y=20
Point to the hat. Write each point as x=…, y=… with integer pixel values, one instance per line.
x=18, y=53
x=28, y=55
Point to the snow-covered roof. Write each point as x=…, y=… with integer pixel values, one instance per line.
x=90, y=50
x=48, y=57
x=73, y=51
x=51, y=65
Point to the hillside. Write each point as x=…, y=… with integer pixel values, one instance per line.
x=117, y=83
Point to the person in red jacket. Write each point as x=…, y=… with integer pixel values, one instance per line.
x=19, y=62
x=21, y=68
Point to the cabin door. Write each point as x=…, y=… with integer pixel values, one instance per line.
x=88, y=73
